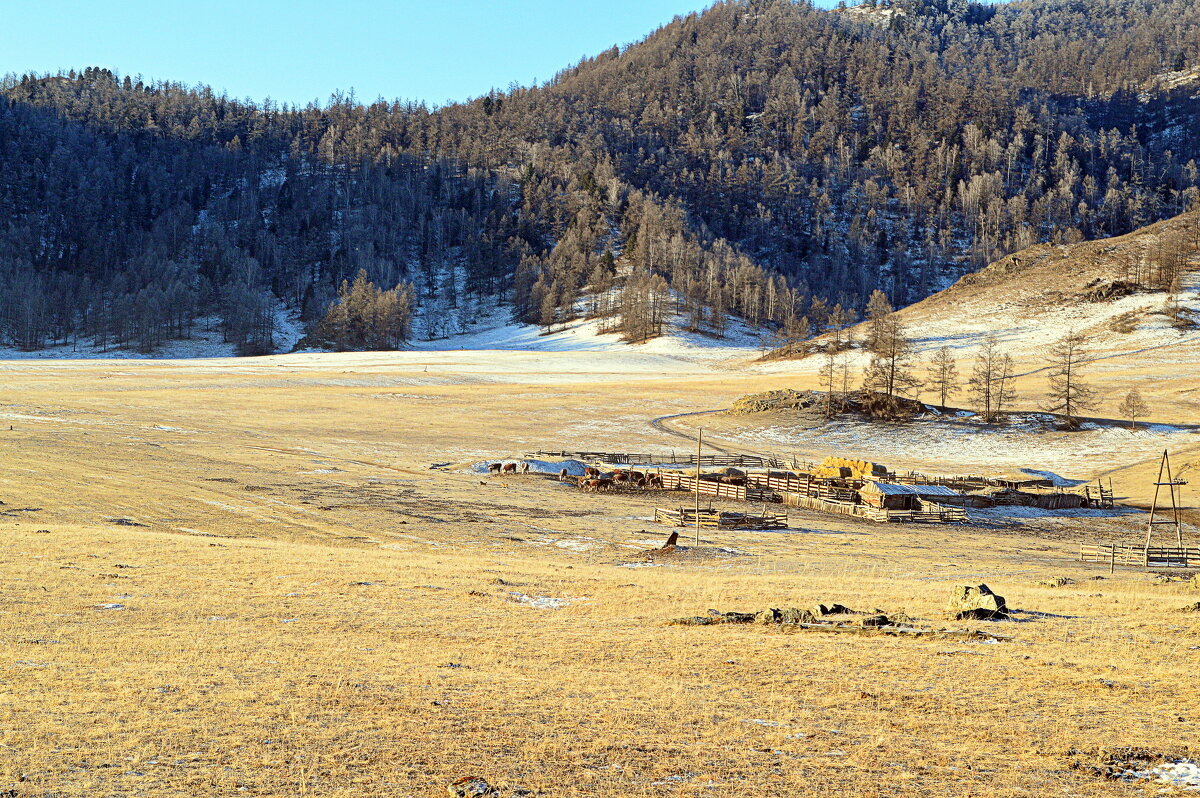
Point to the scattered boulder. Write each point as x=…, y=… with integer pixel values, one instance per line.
x=715, y=617
x=472, y=787
x=867, y=623
x=977, y=602
x=833, y=609
x=1058, y=581
x=794, y=615
x=790, y=616
x=1100, y=291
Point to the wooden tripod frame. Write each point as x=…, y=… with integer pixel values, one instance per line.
x=1164, y=466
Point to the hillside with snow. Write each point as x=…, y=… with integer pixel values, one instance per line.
x=1104, y=290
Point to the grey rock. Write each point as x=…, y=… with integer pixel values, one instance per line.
x=977, y=602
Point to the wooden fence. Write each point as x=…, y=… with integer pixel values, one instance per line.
x=672, y=458
x=929, y=512
x=722, y=490
x=782, y=481
x=713, y=519
x=1098, y=496
x=1140, y=556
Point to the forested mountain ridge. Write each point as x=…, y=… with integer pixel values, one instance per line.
x=763, y=158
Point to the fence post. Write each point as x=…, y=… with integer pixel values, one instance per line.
x=1112, y=559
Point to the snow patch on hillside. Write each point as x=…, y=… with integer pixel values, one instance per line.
x=1033, y=329
x=1023, y=446
x=206, y=342
x=739, y=341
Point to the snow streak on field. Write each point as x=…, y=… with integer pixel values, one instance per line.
x=1027, y=443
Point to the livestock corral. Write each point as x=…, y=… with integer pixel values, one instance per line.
x=859, y=488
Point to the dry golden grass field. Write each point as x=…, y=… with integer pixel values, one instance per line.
x=305, y=607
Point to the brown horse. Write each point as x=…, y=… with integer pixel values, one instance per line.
x=494, y=468
x=509, y=468
x=591, y=472
x=524, y=468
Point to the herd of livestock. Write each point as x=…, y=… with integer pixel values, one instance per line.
x=596, y=481
x=593, y=480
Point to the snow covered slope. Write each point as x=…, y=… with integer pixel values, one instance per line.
x=586, y=336
x=1032, y=298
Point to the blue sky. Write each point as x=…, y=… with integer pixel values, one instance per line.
x=302, y=50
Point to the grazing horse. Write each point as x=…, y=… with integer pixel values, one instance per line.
x=509, y=468
x=604, y=484
x=562, y=475
x=524, y=468
x=641, y=483
x=494, y=468
x=636, y=475
x=591, y=472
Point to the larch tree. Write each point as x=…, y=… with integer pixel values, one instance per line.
x=1067, y=394
x=942, y=376
x=990, y=384
x=890, y=372
x=1005, y=394
x=878, y=311
x=828, y=377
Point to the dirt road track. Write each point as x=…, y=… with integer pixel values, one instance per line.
x=661, y=424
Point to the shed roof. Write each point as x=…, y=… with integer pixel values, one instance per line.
x=894, y=489
x=935, y=490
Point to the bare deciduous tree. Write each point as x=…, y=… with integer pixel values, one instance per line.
x=1133, y=407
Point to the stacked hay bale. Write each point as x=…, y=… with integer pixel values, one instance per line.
x=843, y=468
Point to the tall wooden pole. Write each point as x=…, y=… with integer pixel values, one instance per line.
x=1154, y=504
x=1175, y=504
x=699, y=443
